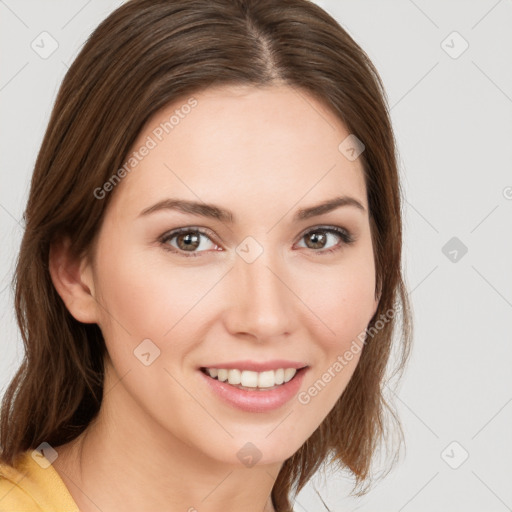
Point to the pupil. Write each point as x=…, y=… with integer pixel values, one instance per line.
x=187, y=239
x=317, y=239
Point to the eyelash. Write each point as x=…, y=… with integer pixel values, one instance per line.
x=344, y=234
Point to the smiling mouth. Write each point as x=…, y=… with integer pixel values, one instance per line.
x=254, y=381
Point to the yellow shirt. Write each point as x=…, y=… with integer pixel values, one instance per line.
x=29, y=487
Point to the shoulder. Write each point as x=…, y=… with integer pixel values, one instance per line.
x=13, y=497
x=33, y=485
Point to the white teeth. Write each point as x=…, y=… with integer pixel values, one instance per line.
x=250, y=379
x=289, y=373
x=266, y=379
x=234, y=376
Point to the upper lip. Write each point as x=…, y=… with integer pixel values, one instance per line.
x=256, y=366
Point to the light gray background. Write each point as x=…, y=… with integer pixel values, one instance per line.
x=453, y=122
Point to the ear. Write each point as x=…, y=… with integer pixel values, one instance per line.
x=73, y=280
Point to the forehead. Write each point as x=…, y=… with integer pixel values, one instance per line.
x=242, y=145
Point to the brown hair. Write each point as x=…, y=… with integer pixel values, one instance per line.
x=145, y=55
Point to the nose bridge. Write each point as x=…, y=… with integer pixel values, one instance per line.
x=263, y=304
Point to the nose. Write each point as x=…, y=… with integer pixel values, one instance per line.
x=261, y=302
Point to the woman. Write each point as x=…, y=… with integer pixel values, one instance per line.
x=209, y=279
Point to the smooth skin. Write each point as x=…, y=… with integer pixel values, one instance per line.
x=162, y=440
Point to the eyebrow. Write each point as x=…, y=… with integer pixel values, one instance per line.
x=222, y=214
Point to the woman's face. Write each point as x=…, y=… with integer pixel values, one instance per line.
x=266, y=285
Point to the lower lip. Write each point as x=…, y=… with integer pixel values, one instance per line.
x=256, y=401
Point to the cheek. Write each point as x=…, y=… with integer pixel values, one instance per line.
x=145, y=296
x=342, y=299
x=345, y=309
x=342, y=304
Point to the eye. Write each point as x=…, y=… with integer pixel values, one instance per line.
x=319, y=236
x=187, y=240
